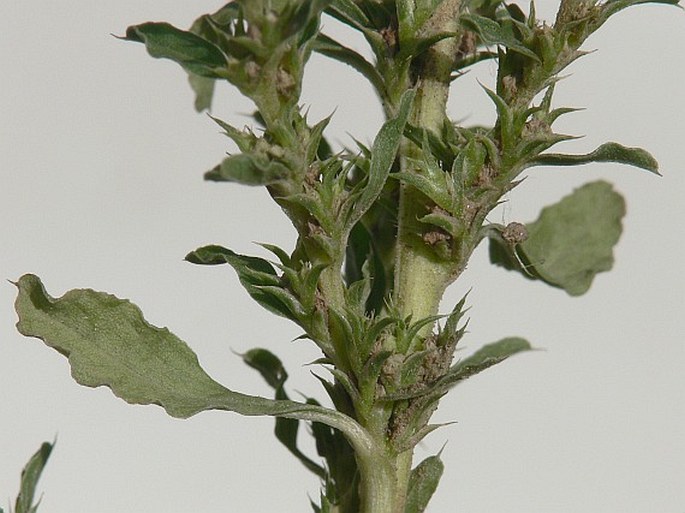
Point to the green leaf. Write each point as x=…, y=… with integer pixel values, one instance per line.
x=194, y=53
x=204, y=91
x=254, y=274
x=247, y=170
x=272, y=370
x=383, y=153
x=573, y=240
x=608, y=152
x=423, y=481
x=268, y=365
x=611, y=7
x=109, y=343
x=331, y=48
x=29, y=480
x=486, y=357
x=492, y=34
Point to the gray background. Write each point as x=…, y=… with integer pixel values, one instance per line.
x=101, y=157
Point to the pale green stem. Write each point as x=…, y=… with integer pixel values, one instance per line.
x=420, y=279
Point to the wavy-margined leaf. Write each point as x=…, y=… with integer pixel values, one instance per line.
x=245, y=169
x=608, y=152
x=272, y=370
x=194, y=53
x=423, y=481
x=109, y=343
x=571, y=241
x=29, y=480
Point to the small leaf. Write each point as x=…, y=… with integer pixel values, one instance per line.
x=573, y=240
x=108, y=342
x=383, y=155
x=331, y=48
x=247, y=170
x=485, y=357
x=204, y=91
x=254, y=274
x=423, y=481
x=272, y=370
x=492, y=34
x=608, y=152
x=29, y=480
x=268, y=365
x=194, y=53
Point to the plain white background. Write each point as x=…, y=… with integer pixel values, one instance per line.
x=101, y=162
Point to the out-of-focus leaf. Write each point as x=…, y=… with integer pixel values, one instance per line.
x=272, y=370
x=573, y=240
x=331, y=48
x=611, y=7
x=423, y=481
x=608, y=152
x=194, y=53
x=247, y=170
x=204, y=91
x=108, y=342
x=29, y=480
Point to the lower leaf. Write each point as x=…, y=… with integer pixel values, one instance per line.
x=108, y=342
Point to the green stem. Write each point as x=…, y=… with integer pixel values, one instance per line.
x=420, y=278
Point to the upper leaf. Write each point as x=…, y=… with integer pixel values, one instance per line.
x=570, y=242
x=383, y=154
x=194, y=53
x=608, y=152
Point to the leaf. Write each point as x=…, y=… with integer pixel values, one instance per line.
x=204, y=91
x=573, y=240
x=611, y=7
x=247, y=170
x=194, y=53
x=486, y=357
x=423, y=481
x=492, y=34
x=108, y=342
x=383, y=153
x=29, y=480
x=255, y=275
x=608, y=152
x=272, y=370
x=331, y=48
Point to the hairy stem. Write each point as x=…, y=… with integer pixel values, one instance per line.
x=420, y=279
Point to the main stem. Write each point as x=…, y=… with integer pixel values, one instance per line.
x=420, y=278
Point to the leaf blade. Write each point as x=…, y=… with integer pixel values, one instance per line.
x=607, y=152
x=192, y=52
x=109, y=343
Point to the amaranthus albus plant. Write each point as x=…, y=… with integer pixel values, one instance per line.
x=383, y=229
